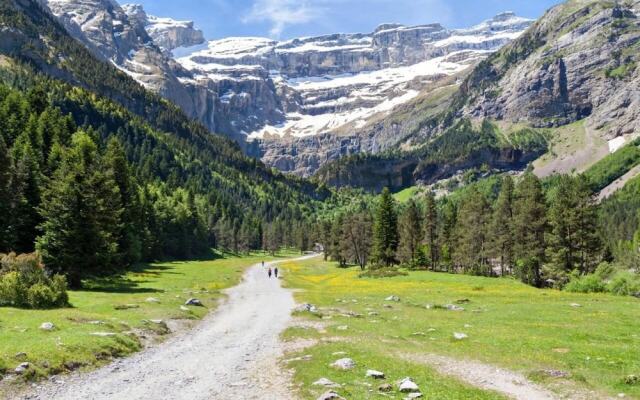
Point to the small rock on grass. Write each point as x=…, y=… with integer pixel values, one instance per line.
x=330, y=395
x=575, y=305
x=193, y=302
x=385, y=387
x=20, y=356
x=342, y=328
x=325, y=382
x=152, y=300
x=47, y=326
x=415, y=395
x=393, y=298
x=459, y=335
x=372, y=373
x=22, y=368
x=453, y=307
x=306, y=307
x=344, y=364
x=407, y=385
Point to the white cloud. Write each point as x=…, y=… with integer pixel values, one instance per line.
x=281, y=13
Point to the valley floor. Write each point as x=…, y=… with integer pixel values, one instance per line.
x=117, y=316
x=519, y=342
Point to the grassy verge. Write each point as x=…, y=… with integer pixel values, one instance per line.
x=559, y=339
x=109, y=318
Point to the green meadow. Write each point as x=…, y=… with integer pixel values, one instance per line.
x=567, y=342
x=111, y=317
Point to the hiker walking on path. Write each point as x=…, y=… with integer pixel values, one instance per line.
x=275, y=272
x=269, y=273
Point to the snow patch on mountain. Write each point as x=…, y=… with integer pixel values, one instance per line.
x=329, y=81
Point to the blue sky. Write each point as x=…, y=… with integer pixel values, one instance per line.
x=294, y=18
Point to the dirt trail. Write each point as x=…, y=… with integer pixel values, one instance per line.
x=231, y=353
x=512, y=384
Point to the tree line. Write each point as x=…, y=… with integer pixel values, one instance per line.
x=541, y=234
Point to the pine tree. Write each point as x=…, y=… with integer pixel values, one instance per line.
x=573, y=237
x=410, y=223
x=472, y=233
x=129, y=243
x=431, y=230
x=385, y=231
x=502, y=226
x=6, y=212
x=26, y=188
x=81, y=215
x=530, y=224
x=447, y=238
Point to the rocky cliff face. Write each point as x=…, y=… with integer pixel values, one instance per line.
x=577, y=64
x=124, y=36
x=166, y=33
x=307, y=97
x=582, y=64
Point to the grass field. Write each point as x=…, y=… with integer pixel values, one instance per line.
x=592, y=340
x=121, y=306
x=404, y=195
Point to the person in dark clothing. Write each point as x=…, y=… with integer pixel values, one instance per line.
x=275, y=272
x=269, y=273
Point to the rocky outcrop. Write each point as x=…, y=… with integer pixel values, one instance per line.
x=166, y=33
x=582, y=64
x=119, y=35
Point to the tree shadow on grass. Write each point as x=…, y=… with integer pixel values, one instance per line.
x=117, y=284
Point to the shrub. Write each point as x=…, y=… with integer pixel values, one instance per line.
x=625, y=284
x=587, y=284
x=25, y=283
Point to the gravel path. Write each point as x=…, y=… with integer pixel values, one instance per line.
x=231, y=353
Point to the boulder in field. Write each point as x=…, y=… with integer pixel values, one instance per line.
x=459, y=335
x=193, y=302
x=22, y=368
x=330, y=395
x=326, y=383
x=407, y=385
x=306, y=307
x=372, y=373
x=385, y=387
x=47, y=326
x=344, y=364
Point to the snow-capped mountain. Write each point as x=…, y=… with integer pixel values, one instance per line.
x=275, y=97
x=324, y=83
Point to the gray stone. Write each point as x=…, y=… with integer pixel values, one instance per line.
x=47, y=326
x=152, y=300
x=392, y=298
x=325, y=383
x=22, y=368
x=193, y=302
x=344, y=364
x=385, y=387
x=460, y=336
x=407, y=385
x=330, y=395
x=372, y=373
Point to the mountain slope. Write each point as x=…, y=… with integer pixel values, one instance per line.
x=577, y=64
x=163, y=145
